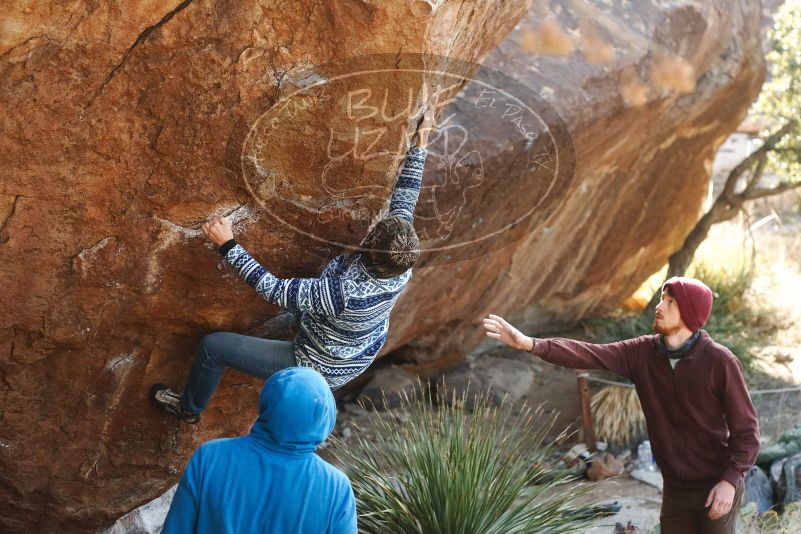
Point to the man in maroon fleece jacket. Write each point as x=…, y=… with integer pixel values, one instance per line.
x=702, y=425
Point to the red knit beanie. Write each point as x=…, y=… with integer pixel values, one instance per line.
x=694, y=299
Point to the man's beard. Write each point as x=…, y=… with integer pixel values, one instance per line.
x=660, y=329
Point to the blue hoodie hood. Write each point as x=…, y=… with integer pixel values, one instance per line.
x=297, y=411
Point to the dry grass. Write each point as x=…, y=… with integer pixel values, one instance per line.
x=618, y=415
x=776, y=288
x=770, y=523
x=755, y=276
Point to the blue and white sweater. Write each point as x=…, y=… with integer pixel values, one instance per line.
x=345, y=312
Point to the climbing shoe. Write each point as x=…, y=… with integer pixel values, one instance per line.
x=170, y=401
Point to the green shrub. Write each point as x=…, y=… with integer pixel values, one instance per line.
x=442, y=470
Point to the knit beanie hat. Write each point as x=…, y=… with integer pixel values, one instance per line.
x=694, y=299
x=392, y=247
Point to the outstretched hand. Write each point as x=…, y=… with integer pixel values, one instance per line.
x=218, y=229
x=498, y=328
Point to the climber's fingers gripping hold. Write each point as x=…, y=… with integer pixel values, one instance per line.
x=425, y=126
x=218, y=229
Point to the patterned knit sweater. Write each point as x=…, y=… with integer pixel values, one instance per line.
x=344, y=312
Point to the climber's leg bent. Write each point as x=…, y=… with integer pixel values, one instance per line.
x=252, y=355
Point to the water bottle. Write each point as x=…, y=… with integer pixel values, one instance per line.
x=645, y=458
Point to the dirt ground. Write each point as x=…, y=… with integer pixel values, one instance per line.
x=640, y=504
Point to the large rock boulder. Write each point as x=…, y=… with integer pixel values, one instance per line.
x=389, y=388
x=496, y=380
x=127, y=124
x=147, y=519
x=648, y=91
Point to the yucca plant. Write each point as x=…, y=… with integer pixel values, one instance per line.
x=435, y=468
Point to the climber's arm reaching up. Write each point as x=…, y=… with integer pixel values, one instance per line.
x=407, y=188
x=322, y=296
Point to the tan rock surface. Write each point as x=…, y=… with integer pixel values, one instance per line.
x=645, y=123
x=125, y=126
x=123, y=123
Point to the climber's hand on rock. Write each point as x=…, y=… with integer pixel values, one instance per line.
x=424, y=127
x=497, y=328
x=218, y=229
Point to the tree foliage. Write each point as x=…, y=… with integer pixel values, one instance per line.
x=780, y=99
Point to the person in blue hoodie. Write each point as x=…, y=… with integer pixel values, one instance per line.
x=271, y=480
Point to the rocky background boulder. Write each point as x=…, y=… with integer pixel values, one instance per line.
x=126, y=124
x=648, y=93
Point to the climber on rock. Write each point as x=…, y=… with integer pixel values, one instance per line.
x=344, y=313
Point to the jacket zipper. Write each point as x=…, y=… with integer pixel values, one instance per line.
x=677, y=434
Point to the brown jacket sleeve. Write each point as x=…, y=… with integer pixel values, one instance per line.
x=617, y=357
x=742, y=422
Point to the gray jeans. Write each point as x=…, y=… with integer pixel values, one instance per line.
x=252, y=355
